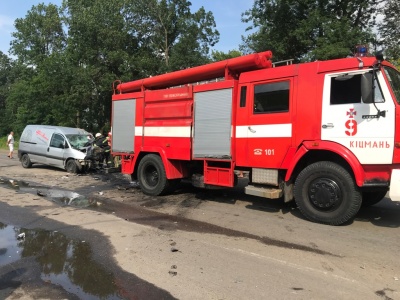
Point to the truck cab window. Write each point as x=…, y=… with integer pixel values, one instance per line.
x=243, y=92
x=57, y=141
x=271, y=97
x=346, y=89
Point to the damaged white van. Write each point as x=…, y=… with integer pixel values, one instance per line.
x=57, y=146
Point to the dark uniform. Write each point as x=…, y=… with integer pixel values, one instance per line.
x=101, y=143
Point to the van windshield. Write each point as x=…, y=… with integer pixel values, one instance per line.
x=79, y=140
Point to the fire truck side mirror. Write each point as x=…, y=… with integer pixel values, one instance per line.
x=367, y=93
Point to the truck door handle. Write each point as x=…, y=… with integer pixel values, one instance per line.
x=251, y=130
x=329, y=125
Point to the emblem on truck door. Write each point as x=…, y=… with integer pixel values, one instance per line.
x=351, y=123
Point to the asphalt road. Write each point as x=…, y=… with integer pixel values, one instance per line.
x=95, y=236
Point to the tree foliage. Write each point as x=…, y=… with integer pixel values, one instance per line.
x=38, y=35
x=68, y=57
x=5, y=76
x=389, y=30
x=219, y=55
x=171, y=33
x=307, y=29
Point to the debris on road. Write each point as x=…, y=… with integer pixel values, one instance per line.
x=40, y=193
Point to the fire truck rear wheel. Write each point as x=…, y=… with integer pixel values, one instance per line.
x=326, y=193
x=151, y=174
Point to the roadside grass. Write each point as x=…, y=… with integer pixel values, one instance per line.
x=3, y=143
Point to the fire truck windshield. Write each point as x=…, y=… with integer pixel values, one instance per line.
x=393, y=77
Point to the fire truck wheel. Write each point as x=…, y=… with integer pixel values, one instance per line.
x=71, y=166
x=151, y=174
x=371, y=198
x=326, y=193
x=26, y=161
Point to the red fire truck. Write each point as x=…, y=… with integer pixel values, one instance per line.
x=325, y=134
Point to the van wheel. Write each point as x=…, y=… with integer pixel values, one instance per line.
x=151, y=174
x=71, y=166
x=325, y=192
x=26, y=161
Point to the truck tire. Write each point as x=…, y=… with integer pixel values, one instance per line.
x=326, y=193
x=151, y=175
x=71, y=166
x=26, y=161
x=372, y=198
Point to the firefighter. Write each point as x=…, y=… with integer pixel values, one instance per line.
x=102, y=143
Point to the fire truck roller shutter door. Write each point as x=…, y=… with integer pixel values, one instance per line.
x=212, y=125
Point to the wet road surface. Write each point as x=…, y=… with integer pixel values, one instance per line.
x=69, y=262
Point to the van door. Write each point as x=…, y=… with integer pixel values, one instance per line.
x=348, y=121
x=55, y=151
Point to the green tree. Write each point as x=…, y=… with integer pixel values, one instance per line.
x=171, y=33
x=219, y=55
x=67, y=58
x=38, y=35
x=38, y=41
x=389, y=30
x=308, y=30
x=99, y=50
x=5, y=76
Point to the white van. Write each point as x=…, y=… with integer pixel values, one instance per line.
x=57, y=146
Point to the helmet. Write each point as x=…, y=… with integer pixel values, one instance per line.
x=98, y=134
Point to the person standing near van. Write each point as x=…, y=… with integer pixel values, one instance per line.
x=10, y=143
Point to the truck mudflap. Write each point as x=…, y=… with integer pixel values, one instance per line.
x=394, y=192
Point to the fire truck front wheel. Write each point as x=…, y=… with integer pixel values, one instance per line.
x=326, y=193
x=151, y=175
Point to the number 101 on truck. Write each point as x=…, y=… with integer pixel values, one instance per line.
x=325, y=134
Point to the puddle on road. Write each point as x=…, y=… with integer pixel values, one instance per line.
x=63, y=262
x=59, y=196
x=66, y=262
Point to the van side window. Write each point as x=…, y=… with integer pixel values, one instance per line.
x=271, y=97
x=57, y=141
